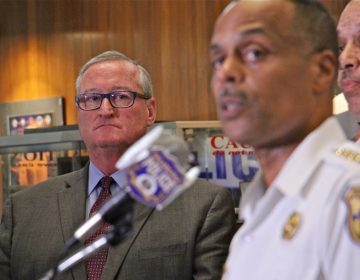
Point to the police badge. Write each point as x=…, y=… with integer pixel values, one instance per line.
x=353, y=202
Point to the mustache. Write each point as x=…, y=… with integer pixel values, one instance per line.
x=235, y=93
x=346, y=74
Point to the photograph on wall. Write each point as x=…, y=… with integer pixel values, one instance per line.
x=18, y=124
x=32, y=167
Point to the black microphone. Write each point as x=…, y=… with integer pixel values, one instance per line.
x=113, y=210
x=113, y=236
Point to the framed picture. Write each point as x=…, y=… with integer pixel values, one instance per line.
x=29, y=113
x=17, y=124
x=24, y=169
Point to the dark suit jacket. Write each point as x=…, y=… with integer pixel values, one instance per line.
x=189, y=239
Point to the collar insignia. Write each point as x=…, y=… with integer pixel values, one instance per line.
x=292, y=225
x=348, y=154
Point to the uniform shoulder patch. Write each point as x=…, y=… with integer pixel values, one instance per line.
x=350, y=151
x=352, y=199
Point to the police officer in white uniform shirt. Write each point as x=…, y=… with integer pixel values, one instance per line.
x=274, y=66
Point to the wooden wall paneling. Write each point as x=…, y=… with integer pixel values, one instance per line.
x=179, y=57
x=44, y=43
x=11, y=36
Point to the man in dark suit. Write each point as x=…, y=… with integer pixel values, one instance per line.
x=349, y=67
x=187, y=240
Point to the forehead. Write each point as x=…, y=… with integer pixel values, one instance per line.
x=350, y=18
x=273, y=17
x=111, y=74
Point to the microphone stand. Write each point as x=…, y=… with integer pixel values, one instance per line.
x=113, y=236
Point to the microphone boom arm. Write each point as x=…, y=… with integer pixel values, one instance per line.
x=113, y=236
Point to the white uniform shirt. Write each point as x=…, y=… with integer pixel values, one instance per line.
x=319, y=187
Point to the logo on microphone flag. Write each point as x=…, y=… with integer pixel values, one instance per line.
x=156, y=180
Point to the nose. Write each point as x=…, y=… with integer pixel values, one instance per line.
x=106, y=106
x=349, y=57
x=231, y=71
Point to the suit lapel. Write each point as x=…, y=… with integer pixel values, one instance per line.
x=117, y=254
x=72, y=201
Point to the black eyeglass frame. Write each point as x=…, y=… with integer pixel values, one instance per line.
x=108, y=97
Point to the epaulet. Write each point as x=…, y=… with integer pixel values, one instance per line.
x=349, y=151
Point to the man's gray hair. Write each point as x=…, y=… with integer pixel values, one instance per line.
x=144, y=76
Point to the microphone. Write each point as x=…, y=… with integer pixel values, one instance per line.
x=113, y=236
x=158, y=167
x=113, y=210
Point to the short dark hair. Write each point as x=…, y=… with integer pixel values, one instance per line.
x=314, y=22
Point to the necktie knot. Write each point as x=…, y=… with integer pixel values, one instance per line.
x=105, y=183
x=105, y=193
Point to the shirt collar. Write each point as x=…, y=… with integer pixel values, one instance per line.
x=253, y=193
x=95, y=175
x=303, y=161
x=298, y=168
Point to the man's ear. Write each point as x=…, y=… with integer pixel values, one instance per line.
x=324, y=70
x=151, y=107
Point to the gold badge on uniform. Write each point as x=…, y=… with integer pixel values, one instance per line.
x=292, y=225
x=353, y=202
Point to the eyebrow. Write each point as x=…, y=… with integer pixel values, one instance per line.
x=356, y=25
x=241, y=35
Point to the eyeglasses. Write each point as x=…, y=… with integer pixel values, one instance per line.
x=118, y=99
